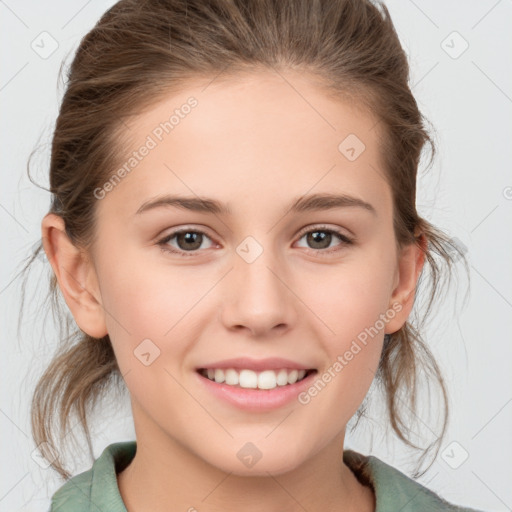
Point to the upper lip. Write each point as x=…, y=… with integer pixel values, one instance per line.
x=271, y=363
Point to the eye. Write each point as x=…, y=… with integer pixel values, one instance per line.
x=188, y=240
x=321, y=237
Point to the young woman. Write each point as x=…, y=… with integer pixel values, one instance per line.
x=234, y=230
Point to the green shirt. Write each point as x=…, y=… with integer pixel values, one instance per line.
x=96, y=490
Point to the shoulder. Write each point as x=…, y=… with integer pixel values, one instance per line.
x=96, y=489
x=393, y=489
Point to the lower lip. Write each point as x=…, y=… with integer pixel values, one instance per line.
x=256, y=399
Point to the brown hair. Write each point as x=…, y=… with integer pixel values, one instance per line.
x=141, y=50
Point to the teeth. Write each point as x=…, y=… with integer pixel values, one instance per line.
x=282, y=378
x=267, y=379
x=293, y=376
x=231, y=377
x=248, y=379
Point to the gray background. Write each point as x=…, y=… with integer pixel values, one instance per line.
x=468, y=192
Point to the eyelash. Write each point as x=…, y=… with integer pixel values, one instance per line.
x=164, y=247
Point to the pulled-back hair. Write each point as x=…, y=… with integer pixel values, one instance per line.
x=139, y=52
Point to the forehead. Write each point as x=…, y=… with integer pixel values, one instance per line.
x=263, y=136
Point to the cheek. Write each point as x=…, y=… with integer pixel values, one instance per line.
x=145, y=303
x=150, y=300
x=148, y=314
x=352, y=303
x=353, y=345
x=350, y=298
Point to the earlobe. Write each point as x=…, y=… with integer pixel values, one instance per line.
x=410, y=265
x=75, y=275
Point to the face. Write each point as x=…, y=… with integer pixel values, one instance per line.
x=260, y=271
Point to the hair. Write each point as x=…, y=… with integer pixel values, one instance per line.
x=133, y=57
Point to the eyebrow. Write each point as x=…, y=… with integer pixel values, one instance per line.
x=314, y=202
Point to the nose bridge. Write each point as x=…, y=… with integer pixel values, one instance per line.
x=258, y=297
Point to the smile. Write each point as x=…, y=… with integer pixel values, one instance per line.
x=255, y=391
x=249, y=379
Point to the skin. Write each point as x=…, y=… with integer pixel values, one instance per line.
x=254, y=143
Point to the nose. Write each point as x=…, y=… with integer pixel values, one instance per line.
x=258, y=296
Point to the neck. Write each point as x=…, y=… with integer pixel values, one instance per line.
x=165, y=472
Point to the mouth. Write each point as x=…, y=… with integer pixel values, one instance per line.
x=244, y=378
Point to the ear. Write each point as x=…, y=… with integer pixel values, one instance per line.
x=75, y=275
x=410, y=263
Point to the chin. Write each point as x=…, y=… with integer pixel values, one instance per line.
x=251, y=461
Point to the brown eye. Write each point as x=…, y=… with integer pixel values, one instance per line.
x=186, y=241
x=189, y=240
x=320, y=238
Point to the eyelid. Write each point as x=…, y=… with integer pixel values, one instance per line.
x=325, y=227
